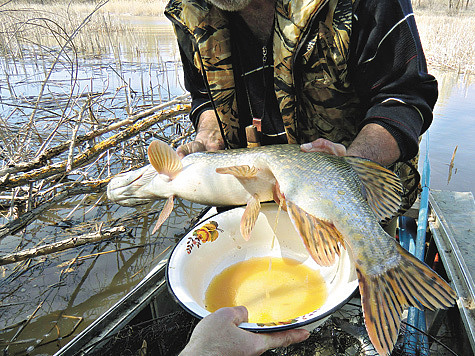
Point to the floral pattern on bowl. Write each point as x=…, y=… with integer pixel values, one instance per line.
x=206, y=233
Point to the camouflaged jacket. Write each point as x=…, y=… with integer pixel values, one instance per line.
x=322, y=91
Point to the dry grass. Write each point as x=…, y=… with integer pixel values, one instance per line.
x=102, y=29
x=131, y=7
x=448, y=41
x=444, y=6
x=447, y=32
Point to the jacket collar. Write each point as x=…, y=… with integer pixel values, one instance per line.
x=194, y=15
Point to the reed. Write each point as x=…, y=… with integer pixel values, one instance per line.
x=445, y=26
x=131, y=7
x=448, y=40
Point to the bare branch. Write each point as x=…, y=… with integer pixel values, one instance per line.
x=61, y=245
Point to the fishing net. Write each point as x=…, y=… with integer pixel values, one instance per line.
x=342, y=334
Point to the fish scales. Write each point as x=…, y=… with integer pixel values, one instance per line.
x=333, y=202
x=336, y=196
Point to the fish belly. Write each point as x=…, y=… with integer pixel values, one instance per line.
x=201, y=184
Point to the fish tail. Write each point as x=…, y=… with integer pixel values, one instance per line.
x=385, y=296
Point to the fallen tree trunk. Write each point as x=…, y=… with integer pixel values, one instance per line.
x=10, y=181
x=77, y=188
x=61, y=245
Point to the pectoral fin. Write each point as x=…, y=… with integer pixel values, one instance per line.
x=164, y=214
x=382, y=187
x=243, y=171
x=385, y=296
x=249, y=218
x=164, y=159
x=321, y=238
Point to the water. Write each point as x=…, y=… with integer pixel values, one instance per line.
x=65, y=292
x=58, y=295
x=453, y=126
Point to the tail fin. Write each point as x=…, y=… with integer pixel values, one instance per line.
x=384, y=297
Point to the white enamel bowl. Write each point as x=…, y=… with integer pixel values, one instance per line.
x=189, y=274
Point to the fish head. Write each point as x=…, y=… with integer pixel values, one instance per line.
x=138, y=187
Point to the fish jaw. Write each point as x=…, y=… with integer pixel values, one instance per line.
x=138, y=187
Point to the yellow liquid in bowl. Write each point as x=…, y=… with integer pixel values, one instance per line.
x=272, y=289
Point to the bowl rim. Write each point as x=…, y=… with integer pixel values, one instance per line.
x=254, y=327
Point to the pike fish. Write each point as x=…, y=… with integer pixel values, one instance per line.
x=333, y=202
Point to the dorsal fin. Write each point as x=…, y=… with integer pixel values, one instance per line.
x=164, y=159
x=382, y=187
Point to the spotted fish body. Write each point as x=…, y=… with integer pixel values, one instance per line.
x=335, y=194
x=333, y=202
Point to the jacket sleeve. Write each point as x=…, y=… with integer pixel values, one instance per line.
x=194, y=81
x=389, y=71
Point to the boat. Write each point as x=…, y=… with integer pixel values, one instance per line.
x=149, y=321
x=439, y=229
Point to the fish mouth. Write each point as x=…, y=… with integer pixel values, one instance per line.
x=128, y=188
x=136, y=180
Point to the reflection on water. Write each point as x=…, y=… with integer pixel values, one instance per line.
x=142, y=56
x=68, y=290
x=47, y=300
x=453, y=126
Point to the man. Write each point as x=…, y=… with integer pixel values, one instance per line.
x=219, y=334
x=346, y=77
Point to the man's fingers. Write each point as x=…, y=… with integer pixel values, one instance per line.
x=190, y=147
x=285, y=338
x=236, y=315
x=323, y=145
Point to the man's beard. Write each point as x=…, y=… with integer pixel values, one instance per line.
x=230, y=5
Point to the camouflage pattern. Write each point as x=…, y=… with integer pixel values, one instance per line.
x=410, y=179
x=311, y=45
x=315, y=97
x=210, y=35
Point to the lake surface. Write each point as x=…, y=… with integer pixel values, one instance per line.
x=66, y=291
x=453, y=126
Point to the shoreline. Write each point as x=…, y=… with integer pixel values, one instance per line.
x=448, y=41
x=447, y=36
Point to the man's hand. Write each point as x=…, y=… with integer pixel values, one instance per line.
x=219, y=334
x=208, y=136
x=373, y=142
x=323, y=145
